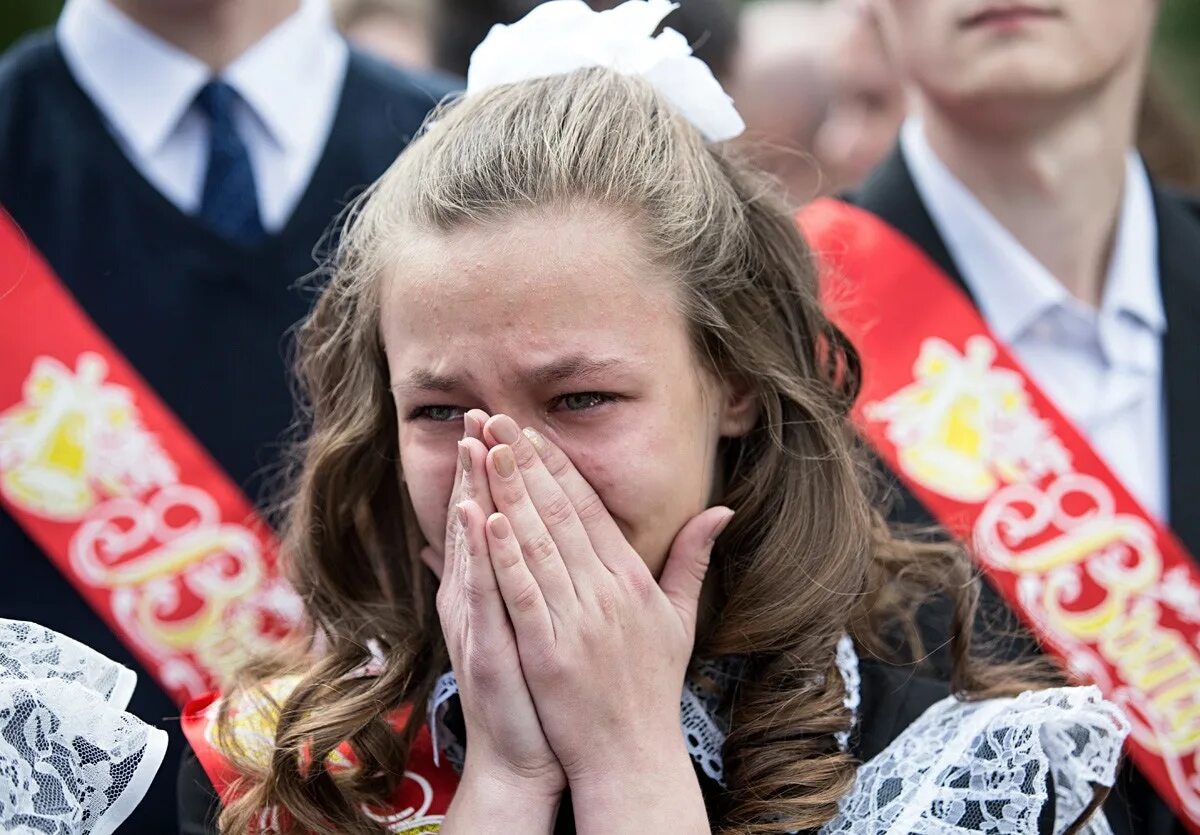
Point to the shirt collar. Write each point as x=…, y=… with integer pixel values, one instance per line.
x=1132, y=284
x=1012, y=288
x=144, y=85
x=276, y=76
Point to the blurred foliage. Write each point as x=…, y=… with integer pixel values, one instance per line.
x=1178, y=47
x=19, y=16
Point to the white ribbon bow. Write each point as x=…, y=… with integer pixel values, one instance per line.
x=562, y=36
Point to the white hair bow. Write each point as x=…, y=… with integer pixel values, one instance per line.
x=561, y=36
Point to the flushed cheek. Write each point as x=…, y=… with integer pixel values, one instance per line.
x=651, y=492
x=429, y=477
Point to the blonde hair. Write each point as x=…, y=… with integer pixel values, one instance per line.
x=807, y=557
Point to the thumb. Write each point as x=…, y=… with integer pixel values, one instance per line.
x=683, y=575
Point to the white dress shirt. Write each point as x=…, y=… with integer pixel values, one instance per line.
x=289, y=82
x=1101, y=368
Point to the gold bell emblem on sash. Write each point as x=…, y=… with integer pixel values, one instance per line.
x=75, y=440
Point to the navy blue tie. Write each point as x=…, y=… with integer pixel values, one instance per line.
x=230, y=201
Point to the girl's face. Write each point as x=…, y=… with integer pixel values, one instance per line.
x=555, y=319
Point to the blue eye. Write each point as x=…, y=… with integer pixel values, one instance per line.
x=438, y=414
x=584, y=400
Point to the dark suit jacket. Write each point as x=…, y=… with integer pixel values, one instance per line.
x=890, y=194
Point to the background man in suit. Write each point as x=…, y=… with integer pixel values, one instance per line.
x=176, y=162
x=1017, y=175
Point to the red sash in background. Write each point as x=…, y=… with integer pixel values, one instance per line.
x=121, y=497
x=1106, y=586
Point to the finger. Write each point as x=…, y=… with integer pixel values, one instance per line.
x=473, y=422
x=537, y=545
x=485, y=607
x=475, y=484
x=551, y=502
x=687, y=563
x=606, y=538
x=450, y=542
x=523, y=598
x=470, y=483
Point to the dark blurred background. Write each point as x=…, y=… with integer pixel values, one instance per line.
x=1178, y=40
x=811, y=78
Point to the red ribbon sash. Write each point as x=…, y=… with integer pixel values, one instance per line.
x=418, y=803
x=120, y=496
x=1107, y=587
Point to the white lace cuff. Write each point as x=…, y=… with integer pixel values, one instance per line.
x=967, y=767
x=29, y=651
x=71, y=759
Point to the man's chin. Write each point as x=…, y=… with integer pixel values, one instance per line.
x=997, y=84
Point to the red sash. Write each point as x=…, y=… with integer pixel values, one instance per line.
x=120, y=496
x=418, y=803
x=1107, y=587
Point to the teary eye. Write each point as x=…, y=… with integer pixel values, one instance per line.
x=437, y=414
x=580, y=401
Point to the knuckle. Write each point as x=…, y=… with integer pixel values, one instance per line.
x=528, y=598
x=590, y=507
x=506, y=559
x=607, y=601
x=524, y=454
x=556, y=462
x=513, y=493
x=557, y=509
x=640, y=583
x=540, y=549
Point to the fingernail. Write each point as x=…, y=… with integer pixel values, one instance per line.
x=506, y=465
x=498, y=525
x=504, y=429
x=539, y=443
x=462, y=514
x=720, y=528
x=470, y=426
x=464, y=457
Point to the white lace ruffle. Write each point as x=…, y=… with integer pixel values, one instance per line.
x=441, y=736
x=29, y=651
x=961, y=768
x=703, y=732
x=847, y=664
x=704, y=726
x=966, y=767
x=71, y=759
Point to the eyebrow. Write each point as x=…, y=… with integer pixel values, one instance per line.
x=555, y=371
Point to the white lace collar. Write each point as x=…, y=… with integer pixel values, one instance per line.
x=704, y=725
x=961, y=767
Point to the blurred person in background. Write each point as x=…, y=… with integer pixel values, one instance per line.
x=1168, y=137
x=867, y=103
x=1018, y=179
x=779, y=85
x=399, y=31
x=175, y=162
x=710, y=26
